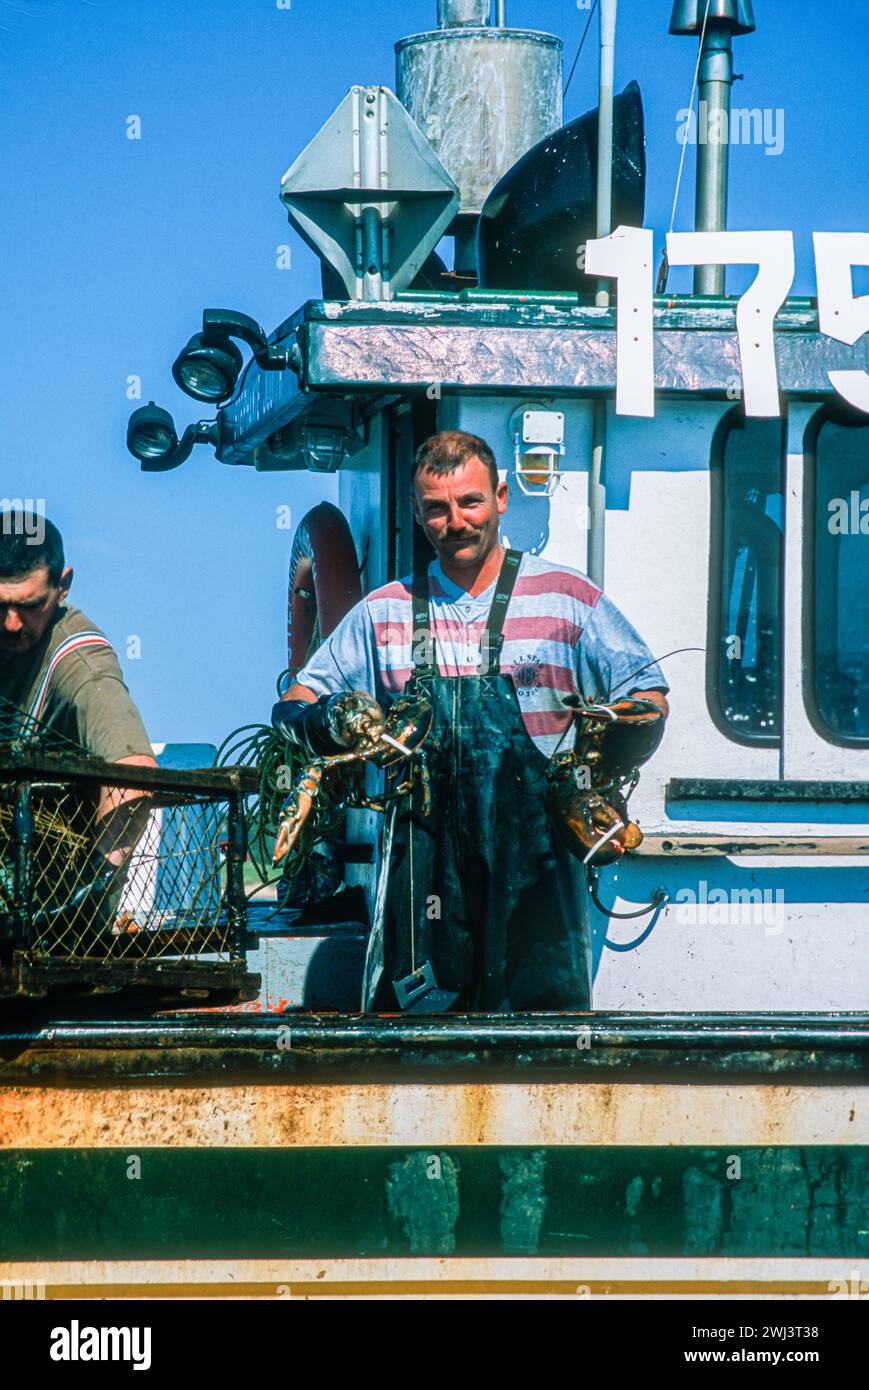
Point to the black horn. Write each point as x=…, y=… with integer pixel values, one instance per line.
x=542, y=211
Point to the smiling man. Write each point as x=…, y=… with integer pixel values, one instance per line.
x=58, y=672
x=480, y=907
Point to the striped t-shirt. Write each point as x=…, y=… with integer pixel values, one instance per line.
x=561, y=636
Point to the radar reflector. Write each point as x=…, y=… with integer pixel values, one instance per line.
x=370, y=195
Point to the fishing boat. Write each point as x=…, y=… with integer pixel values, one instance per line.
x=703, y=1129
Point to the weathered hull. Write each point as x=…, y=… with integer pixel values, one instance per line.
x=347, y=1157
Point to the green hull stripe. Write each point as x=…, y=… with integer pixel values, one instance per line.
x=88, y=1204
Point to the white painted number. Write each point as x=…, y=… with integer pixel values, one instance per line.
x=773, y=254
x=626, y=256
x=842, y=314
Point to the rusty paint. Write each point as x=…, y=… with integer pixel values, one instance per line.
x=412, y=1115
x=668, y=843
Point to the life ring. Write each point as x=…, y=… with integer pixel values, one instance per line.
x=324, y=582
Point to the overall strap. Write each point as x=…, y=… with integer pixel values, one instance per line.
x=423, y=638
x=494, y=635
x=422, y=642
x=71, y=644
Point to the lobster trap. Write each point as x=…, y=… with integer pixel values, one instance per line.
x=117, y=877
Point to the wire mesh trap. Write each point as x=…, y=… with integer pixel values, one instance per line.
x=116, y=877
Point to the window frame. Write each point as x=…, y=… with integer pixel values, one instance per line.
x=733, y=419
x=831, y=413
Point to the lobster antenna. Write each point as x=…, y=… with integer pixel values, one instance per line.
x=655, y=659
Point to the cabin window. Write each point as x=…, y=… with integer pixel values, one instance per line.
x=745, y=650
x=838, y=693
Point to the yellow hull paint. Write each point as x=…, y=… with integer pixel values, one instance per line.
x=432, y=1115
x=434, y=1277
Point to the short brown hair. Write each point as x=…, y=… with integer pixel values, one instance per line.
x=23, y=549
x=449, y=450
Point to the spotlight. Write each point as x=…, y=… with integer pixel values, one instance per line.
x=153, y=439
x=209, y=366
x=151, y=433
x=324, y=448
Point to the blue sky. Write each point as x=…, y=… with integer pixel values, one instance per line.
x=110, y=249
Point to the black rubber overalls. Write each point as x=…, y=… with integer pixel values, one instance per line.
x=481, y=888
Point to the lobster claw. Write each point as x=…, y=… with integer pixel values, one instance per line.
x=596, y=828
x=296, y=809
x=601, y=830
x=408, y=723
x=612, y=814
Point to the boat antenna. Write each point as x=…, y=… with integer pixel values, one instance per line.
x=579, y=50
x=661, y=287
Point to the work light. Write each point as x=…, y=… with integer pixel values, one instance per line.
x=153, y=439
x=208, y=367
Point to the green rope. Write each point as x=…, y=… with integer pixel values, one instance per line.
x=279, y=764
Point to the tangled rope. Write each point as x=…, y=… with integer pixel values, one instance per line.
x=279, y=763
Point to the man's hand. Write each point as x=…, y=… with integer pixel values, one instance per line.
x=625, y=732
x=346, y=720
x=636, y=730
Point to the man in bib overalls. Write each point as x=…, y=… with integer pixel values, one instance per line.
x=480, y=905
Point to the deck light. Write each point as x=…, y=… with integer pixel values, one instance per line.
x=209, y=366
x=153, y=439
x=538, y=444
x=324, y=447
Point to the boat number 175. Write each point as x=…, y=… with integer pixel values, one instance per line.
x=627, y=255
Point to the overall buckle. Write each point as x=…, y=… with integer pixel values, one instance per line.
x=419, y=993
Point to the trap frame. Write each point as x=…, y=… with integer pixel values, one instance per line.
x=150, y=896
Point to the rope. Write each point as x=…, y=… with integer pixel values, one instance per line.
x=665, y=268
x=278, y=763
x=659, y=897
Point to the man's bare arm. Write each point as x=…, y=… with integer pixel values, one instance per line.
x=299, y=692
x=657, y=697
x=122, y=814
